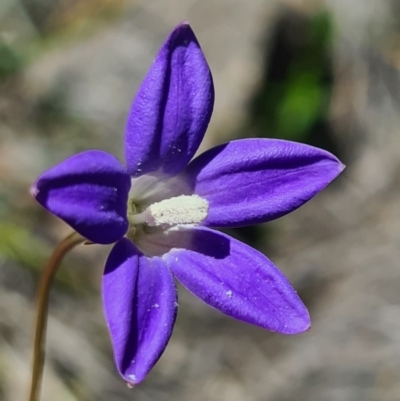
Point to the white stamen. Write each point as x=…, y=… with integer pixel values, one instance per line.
x=182, y=209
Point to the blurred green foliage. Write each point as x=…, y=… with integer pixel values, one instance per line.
x=295, y=116
x=294, y=96
x=10, y=62
x=32, y=252
x=17, y=244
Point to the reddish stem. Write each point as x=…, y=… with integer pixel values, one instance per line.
x=46, y=280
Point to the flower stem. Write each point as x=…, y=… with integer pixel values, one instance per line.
x=48, y=274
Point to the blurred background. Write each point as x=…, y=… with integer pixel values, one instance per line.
x=324, y=72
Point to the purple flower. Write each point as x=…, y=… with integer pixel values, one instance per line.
x=159, y=209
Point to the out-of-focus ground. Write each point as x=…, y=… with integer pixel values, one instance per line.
x=322, y=72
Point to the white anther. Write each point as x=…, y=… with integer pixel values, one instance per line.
x=184, y=209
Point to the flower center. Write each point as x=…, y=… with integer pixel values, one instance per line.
x=184, y=209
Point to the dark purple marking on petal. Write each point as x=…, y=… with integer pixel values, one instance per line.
x=89, y=191
x=172, y=109
x=238, y=281
x=140, y=303
x=252, y=181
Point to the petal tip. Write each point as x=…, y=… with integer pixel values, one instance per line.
x=337, y=168
x=340, y=166
x=182, y=27
x=182, y=35
x=184, y=24
x=300, y=325
x=134, y=379
x=306, y=326
x=34, y=190
x=131, y=380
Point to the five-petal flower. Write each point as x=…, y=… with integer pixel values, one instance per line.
x=159, y=209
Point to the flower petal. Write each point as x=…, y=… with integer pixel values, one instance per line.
x=237, y=280
x=172, y=108
x=140, y=303
x=89, y=191
x=252, y=181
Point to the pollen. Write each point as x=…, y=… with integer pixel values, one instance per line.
x=184, y=209
x=178, y=210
